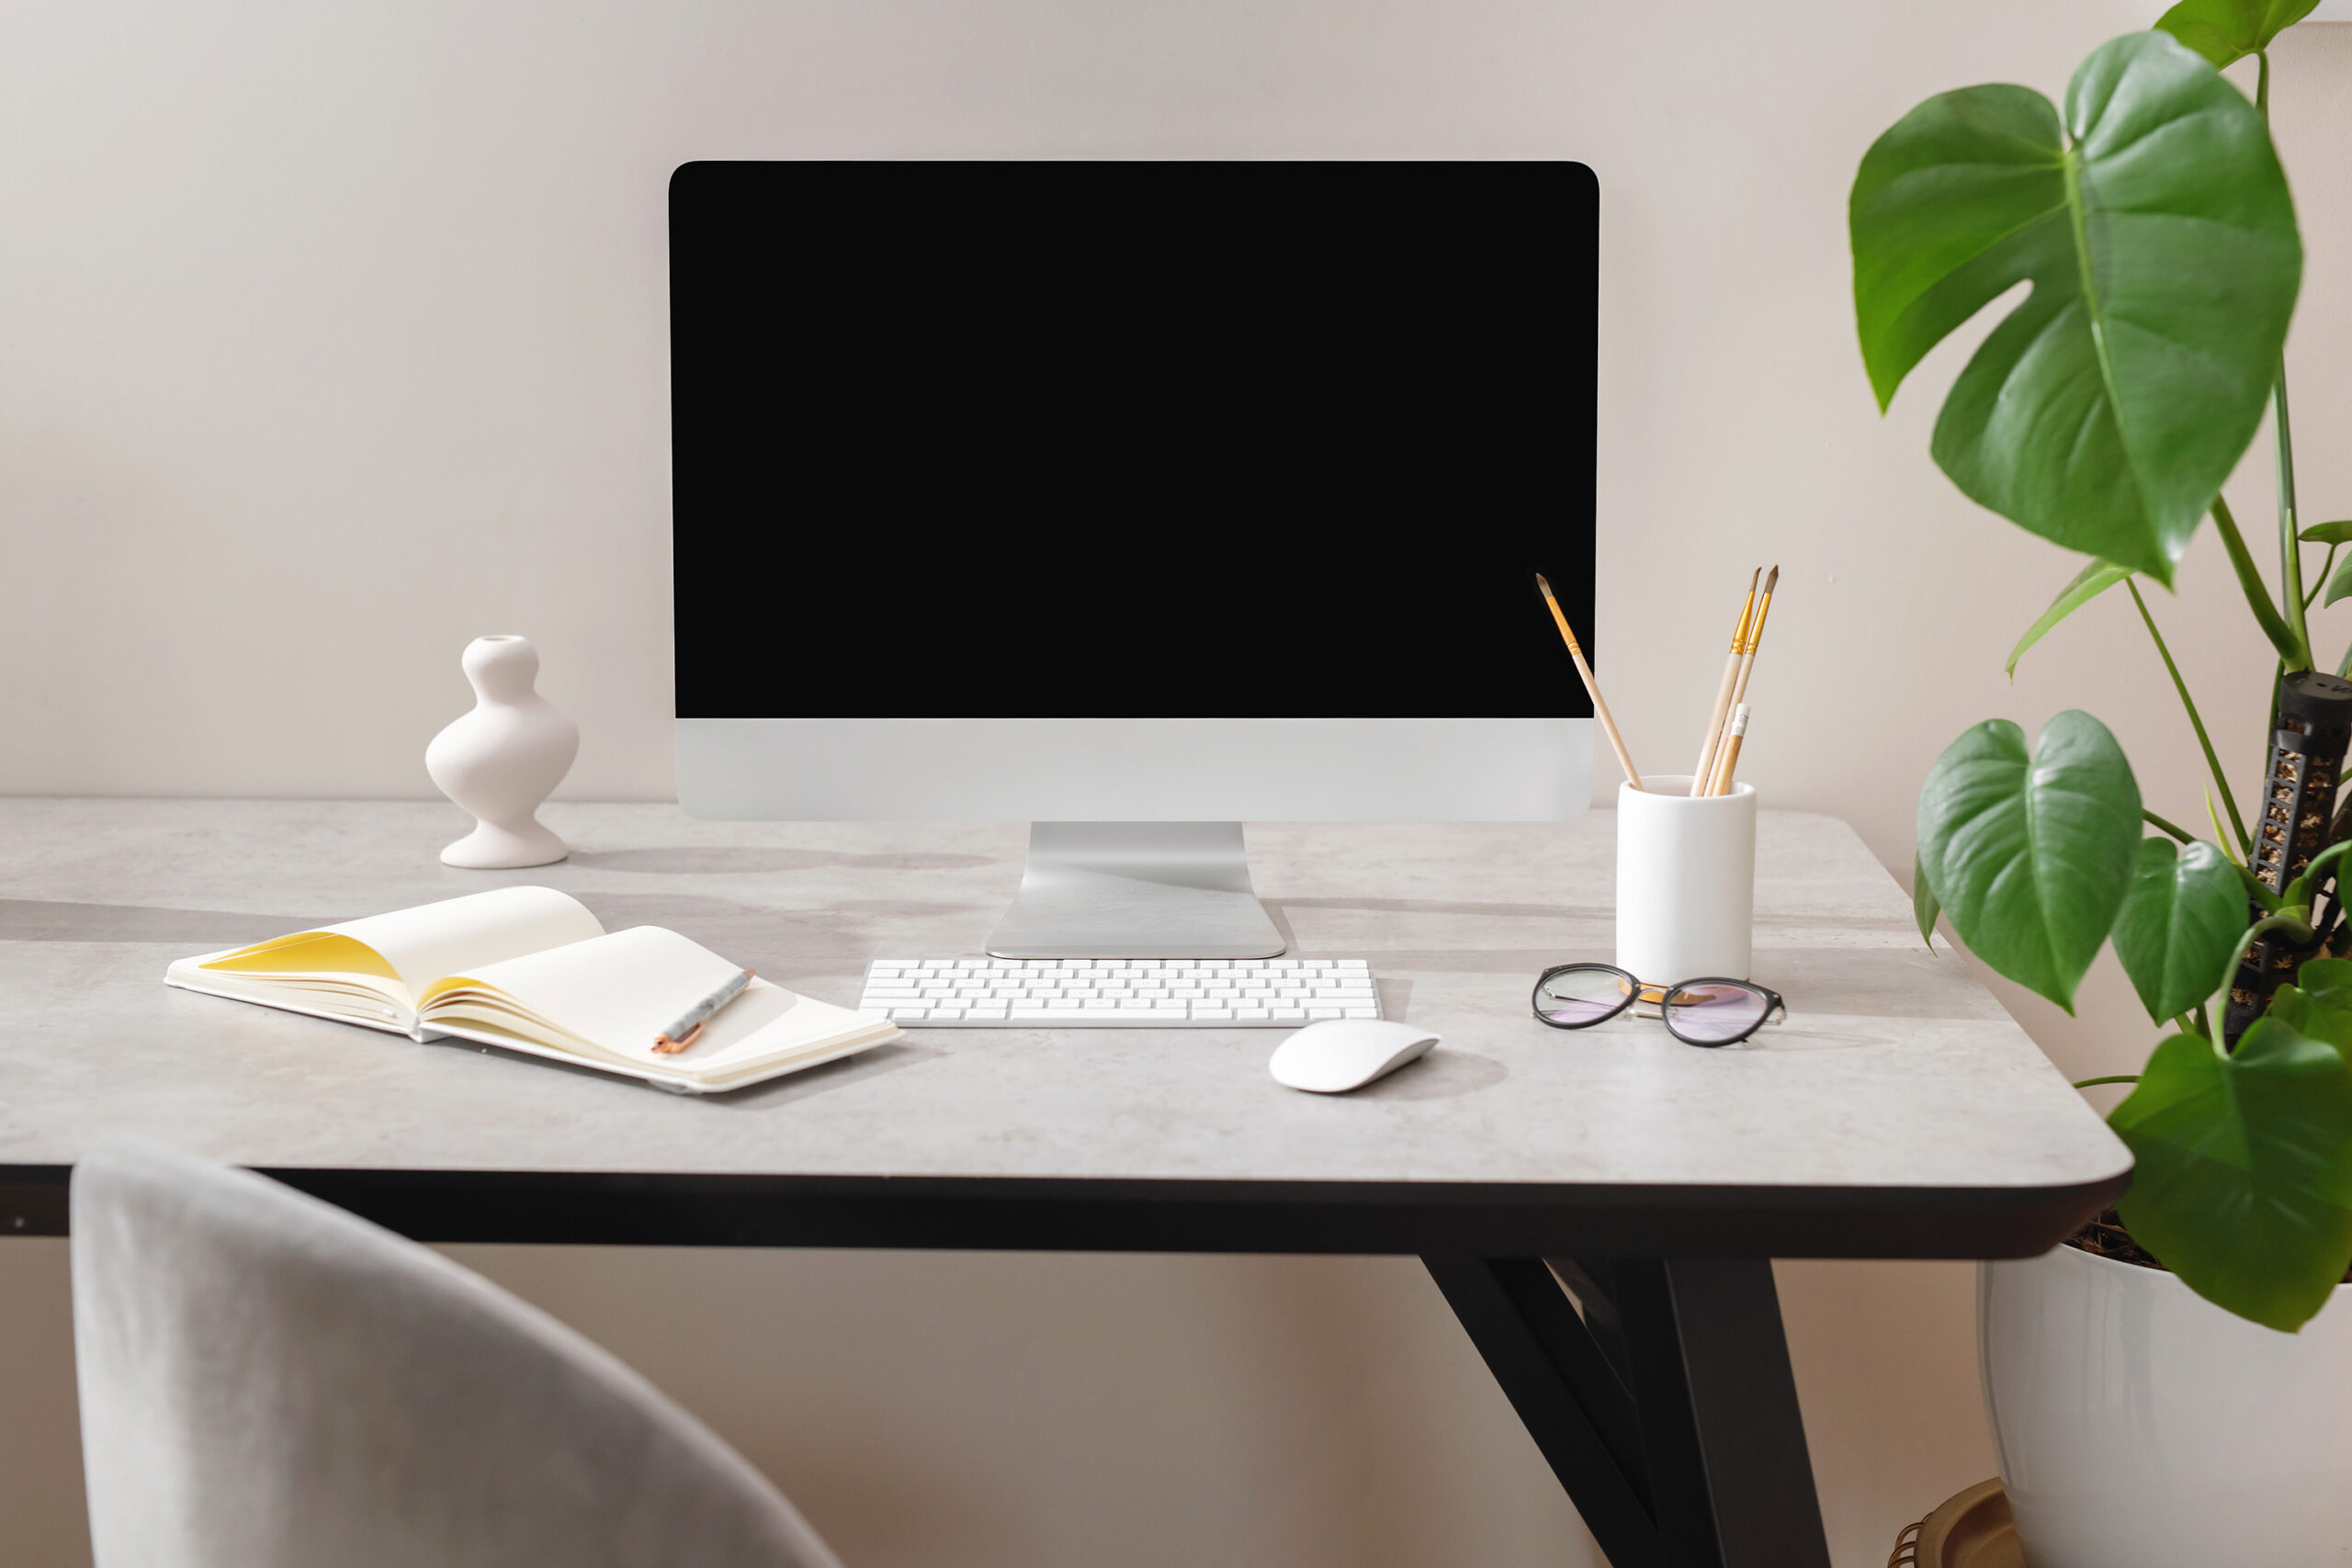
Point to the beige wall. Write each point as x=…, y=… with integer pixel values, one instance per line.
x=330, y=336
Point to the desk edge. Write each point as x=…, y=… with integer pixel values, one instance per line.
x=1012, y=1213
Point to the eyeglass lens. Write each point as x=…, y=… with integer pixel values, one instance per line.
x=1577, y=996
x=1714, y=1014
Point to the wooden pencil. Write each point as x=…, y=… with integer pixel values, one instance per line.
x=1591, y=686
x=1704, y=768
x=1718, y=784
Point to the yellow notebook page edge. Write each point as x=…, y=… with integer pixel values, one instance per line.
x=305, y=953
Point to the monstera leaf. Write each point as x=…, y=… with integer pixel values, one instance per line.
x=2030, y=856
x=1924, y=907
x=2153, y=221
x=2243, y=1176
x=2227, y=31
x=2094, y=579
x=2181, y=927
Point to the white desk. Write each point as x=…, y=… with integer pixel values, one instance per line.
x=1899, y=1112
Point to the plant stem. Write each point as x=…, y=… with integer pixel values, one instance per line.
x=2270, y=729
x=2290, y=549
x=2161, y=825
x=2318, y=583
x=2294, y=654
x=2220, y=837
x=2245, y=841
x=2262, y=84
x=2119, y=1078
x=2295, y=921
x=2301, y=890
x=2204, y=1022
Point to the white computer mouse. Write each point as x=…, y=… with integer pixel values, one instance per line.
x=1341, y=1053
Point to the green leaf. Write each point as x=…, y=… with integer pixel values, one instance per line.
x=2319, y=1004
x=2031, y=856
x=2182, y=926
x=2328, y=983
x=1924, y=906
x=2089, y=583
x=2327, y=534
x=2107, y=408
x=2243, y=1183
x=2340, y=585
x=2227, y=31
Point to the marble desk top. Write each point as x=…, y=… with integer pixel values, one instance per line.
x=1895, y=1071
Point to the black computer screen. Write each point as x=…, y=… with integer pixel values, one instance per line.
x=1131, y=439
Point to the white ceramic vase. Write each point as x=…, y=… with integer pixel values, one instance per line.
x=502, y=759
x=2139, y=1426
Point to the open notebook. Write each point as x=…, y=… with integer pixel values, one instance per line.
x=529, y=969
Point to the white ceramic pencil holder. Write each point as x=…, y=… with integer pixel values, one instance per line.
x=1686, y=881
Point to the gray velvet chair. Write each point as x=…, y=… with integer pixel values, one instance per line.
x=269, y=1383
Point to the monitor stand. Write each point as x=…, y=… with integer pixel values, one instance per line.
x=1135, y=890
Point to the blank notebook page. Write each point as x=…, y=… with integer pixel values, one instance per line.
x=618, y=994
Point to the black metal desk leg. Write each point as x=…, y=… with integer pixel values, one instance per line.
x=1719, y=1413
x=1571, y=1402
x=1676, y=1432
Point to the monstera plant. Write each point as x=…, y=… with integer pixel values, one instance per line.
x=2151, y=221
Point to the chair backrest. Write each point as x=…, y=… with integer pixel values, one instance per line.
x=268, y=1381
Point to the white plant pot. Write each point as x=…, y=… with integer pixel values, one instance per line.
x=505, y=758
x=2142, y=1427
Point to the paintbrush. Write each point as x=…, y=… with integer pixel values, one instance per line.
x=1599, y=707
x=1718, y=784
x=1706, y=766
x=1732, y=738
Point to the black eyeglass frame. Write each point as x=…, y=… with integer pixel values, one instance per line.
x=1662, y=995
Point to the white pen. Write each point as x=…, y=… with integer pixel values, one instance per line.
x=688, y=1029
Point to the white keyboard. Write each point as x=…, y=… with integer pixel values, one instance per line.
x=1118, y=993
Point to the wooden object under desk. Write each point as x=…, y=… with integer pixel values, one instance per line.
x=1970, y=1529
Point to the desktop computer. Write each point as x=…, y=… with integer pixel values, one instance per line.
x=1133, y=500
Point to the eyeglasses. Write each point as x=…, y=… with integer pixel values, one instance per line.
x=1706, y=1011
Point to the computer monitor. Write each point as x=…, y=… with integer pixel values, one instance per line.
x=1132, y=500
